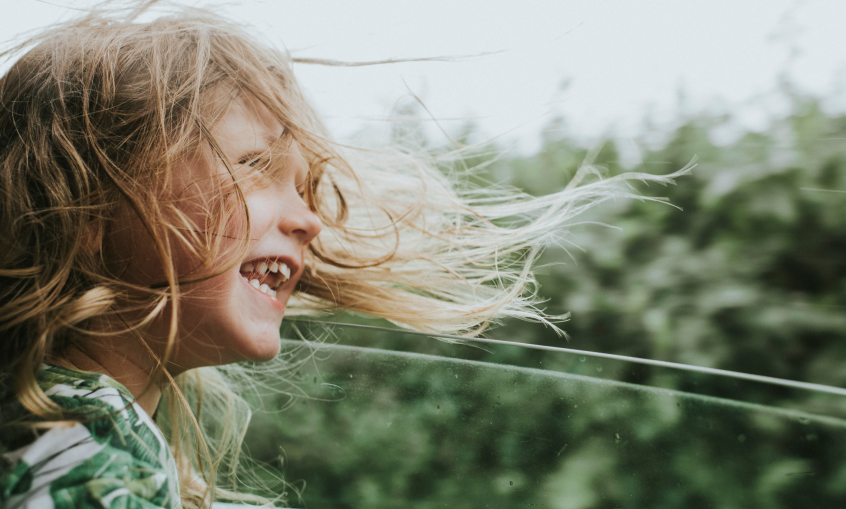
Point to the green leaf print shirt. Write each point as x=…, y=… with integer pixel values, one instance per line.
x=118, y=459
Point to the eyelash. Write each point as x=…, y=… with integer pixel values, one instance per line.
x=252, y=160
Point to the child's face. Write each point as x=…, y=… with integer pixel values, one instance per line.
x=235, y=316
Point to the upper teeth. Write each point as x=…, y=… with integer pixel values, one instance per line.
x=280, y=268
x=263, y=267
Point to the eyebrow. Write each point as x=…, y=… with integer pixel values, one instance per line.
x=251, y=153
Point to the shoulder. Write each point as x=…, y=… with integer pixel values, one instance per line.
x=115, y=456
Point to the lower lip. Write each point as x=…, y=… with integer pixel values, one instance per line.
x=275, y=302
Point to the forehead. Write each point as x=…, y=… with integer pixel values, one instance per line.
x=247, y=127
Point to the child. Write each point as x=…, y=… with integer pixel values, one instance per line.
x=167, y=193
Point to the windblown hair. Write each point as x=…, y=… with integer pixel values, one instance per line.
x=99, y=114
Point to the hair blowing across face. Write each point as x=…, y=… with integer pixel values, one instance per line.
x=97, y=115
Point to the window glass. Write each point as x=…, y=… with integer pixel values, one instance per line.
x=462, y=427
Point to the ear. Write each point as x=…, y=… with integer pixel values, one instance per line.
x=92, y=238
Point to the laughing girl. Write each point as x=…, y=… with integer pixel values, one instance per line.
x=167, y=196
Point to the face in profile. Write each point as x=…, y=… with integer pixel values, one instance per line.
x=235, y=315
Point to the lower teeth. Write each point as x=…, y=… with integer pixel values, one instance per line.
x=263, y=288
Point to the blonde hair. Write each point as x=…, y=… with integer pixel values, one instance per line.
x=98, y=113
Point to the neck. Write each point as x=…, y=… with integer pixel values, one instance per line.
x=125, y=369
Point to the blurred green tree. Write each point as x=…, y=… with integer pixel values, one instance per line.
x=750, y=275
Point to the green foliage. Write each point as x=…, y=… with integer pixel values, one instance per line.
x=750, y=275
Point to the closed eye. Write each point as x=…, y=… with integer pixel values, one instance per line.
x=251, y=160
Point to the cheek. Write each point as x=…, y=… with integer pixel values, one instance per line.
x=130, y=252
x=260, y=213
x=132, y=255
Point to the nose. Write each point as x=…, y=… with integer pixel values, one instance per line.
x=300, y=221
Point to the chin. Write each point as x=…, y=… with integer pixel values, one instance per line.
x=262, y=349
x=266, y=354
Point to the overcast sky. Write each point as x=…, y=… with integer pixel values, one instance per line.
x=602, y=65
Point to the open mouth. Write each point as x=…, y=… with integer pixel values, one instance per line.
x=266, y=275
